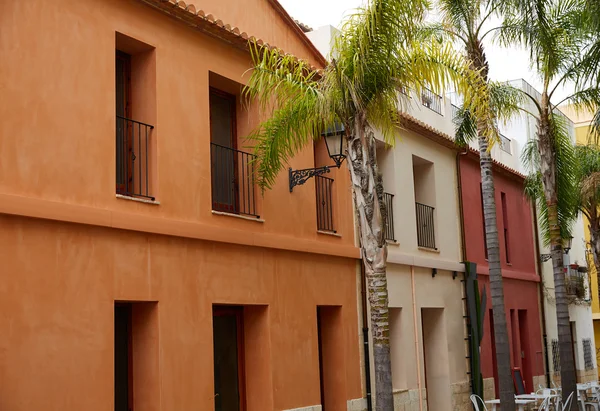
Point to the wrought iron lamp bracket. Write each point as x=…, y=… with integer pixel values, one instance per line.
x=299, y=177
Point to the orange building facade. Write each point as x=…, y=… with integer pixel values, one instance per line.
x=142, y=269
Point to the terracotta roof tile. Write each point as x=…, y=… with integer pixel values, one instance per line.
x=211, y=26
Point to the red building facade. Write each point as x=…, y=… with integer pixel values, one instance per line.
x=520, y=278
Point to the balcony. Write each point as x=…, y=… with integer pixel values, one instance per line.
x=132, y=172
x=323, y=186
x=388, y=200
x=425, y=226
x=233, y=181
x=576, y=282
x=431, y=100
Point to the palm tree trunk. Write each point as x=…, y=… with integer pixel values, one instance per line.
x=367, y=188
x=548, y=170
x=505, y=381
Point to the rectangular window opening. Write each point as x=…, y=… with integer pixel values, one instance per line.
x=424, y=186
x=232, y=169
x=505, y=224
x=135, y=96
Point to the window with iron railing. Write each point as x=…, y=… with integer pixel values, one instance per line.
x=431, y=100
x=575, y=283
x=232, y=170
x=132, y=137
x=388, y=200
x=587, y=353
x=505, y=144
x=425, y=226
x=323, y=187
x=455, y=110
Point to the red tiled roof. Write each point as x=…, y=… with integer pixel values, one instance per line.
x=216, y=28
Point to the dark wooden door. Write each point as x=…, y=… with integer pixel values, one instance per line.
x=228, y=346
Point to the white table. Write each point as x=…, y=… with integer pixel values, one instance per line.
x=521, y=403
x=534, y=396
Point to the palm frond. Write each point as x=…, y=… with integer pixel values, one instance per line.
x=465, y=126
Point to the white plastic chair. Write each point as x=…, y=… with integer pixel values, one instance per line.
x=474, y=399
x=545, y=406
x=567, y=404
x=593, y=401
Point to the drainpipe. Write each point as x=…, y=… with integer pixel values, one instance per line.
x=416, y=324
x=541, y=293
x=363, y=282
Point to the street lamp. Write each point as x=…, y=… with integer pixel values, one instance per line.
x=567, y=243
x=334, y=138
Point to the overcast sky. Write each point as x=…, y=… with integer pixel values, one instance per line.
x=505, y=64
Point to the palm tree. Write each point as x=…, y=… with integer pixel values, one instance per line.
x=465, y=22
x=559, y=39
x=376, y=55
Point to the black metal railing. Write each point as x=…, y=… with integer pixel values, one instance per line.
x=575, y=283
x=388, y=200
x=233, y=180
x=454, y=112
x=425, y=226
x=587, y=353
x=431, y=100
x=505, y=144
x=323, y=186
x=133, y=173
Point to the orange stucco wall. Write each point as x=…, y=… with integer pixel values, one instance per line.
x=69, y=248
x=58, y=116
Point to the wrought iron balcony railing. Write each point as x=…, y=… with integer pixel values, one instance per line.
x=133, y=173
x=323, y=186
x=425, y=226
x=388, y=200
x=233, y=181
x=575, y=283
x=431, y=100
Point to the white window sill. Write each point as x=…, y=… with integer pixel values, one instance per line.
x=331, y=233
x=243, y=217
x=393, y=243
x=430, y=250
x=137, y=199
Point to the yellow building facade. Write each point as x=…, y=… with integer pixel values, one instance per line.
x=582, y=120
